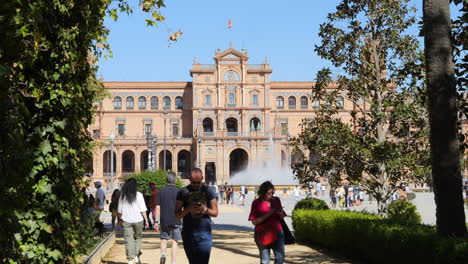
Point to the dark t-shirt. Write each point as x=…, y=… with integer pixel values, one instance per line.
x=167, y=200
x=196, y=221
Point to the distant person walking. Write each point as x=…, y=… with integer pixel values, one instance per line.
x=296, y=193
x=222, y=193
x=168, y=225
x=243, y=194
x=228, y=194
x=333, y=194
x=114, y=206
x=152, y=204
x=132, y=211
x=100, y=198
x=266, y=214
x=196, y=204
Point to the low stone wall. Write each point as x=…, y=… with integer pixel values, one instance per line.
x=101, y=250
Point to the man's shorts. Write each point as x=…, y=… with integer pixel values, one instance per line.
x=171, y=232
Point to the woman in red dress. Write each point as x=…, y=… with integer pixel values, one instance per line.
x=266, y=214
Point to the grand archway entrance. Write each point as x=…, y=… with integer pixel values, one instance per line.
x=238, y=161
x=168, y=160
x=210, y=172
x=183, y=163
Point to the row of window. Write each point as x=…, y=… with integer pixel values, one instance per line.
x=129, y=103
x=304, y=102
x=231, y=99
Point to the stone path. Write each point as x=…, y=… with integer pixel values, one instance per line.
x=232, y=244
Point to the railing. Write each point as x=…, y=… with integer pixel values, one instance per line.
x=208, y=134
x=232, y=134
x=255, y=66
x=231, y=105
x=204, y=66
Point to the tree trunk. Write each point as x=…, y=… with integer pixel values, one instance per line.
x=444, y=142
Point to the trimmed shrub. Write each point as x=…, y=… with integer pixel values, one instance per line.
x=374, y=239
x=158, y=177
x=312, y=204
x=403, y=212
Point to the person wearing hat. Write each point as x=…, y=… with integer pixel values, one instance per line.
x=100, y=197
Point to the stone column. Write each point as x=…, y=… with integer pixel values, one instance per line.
x=174, y=152
x=137, y=160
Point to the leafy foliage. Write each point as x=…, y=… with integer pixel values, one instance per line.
x=403, y=212
x=157, y=177
x=311, y=204
x=48, y=93
x=354, y=234
x=387, y=140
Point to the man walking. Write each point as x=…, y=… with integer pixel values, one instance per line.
x=196, y=203
x=170, y=226
x=100, y=198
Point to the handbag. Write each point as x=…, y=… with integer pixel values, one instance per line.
x=288, y=237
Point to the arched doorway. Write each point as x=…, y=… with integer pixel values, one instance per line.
x=144, y=160
x=238, y=161
x=183, y=163
x=210, y=172
x=106, y=163
x=207, y=126
x=231, y=126
x=168, y=160
x=255, y=124
x=128, y=162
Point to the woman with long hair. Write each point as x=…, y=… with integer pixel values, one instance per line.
x=266, y=214
x=113, y=206
x=132, y=212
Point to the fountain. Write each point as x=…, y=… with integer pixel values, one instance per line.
x=271, y=171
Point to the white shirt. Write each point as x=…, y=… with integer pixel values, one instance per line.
x=131, y=213
x=296, y=192
x=243, y=190
x=101, y=196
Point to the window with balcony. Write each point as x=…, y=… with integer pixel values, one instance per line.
x=148, y=129
x=316, y=104
x=175, y=130
x=130, y=103
x=231, y=126
x=207, y=99
x=179, y=103
x=255, y=124
x=279, y=102
x=304, y=102
x=96, y=133
x=254, y=99
x=208, y=127
x=142, y=103
x=117, y=103
x=121, y=129
x=292, y=102
x=167, y=102
x=154, y=103
x=231, y=100
x=340, y=102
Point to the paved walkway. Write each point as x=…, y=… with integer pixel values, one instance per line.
x=232, y=244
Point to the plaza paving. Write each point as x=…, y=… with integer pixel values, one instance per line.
x=232, y=243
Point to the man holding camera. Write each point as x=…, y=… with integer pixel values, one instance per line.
x=196, y=203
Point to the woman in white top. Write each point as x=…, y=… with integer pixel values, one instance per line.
x=132, y=212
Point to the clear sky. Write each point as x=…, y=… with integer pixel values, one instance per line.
x=283, y=31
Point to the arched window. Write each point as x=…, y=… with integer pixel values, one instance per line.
x=179, y=103
x=142, y=103
x=255, y=124
x=254, y=99
x=208, y=126
x=292, y=102
x=304, y=102
x=279, y=102
x=167, y=102
x=117, y=103
x=340, y=102
x=231, y=100
x=130, y=102
x=231, y=76
x=154, y=103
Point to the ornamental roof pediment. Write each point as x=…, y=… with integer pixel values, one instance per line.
x=207, y=91
x=231, y=53
x=254, y=91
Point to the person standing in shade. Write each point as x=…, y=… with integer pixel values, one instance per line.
x=266, y=213
x=113, y=207
x=100, y=198
x=154, y=196
x=169, y=226
x=132, y=211
x=196, y=203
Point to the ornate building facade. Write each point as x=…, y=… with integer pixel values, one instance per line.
x=224, y=121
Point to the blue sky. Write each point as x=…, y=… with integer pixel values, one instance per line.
x=284, y=31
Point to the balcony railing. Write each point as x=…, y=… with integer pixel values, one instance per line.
x=209, y=134
x=232, y=134
x=231, y=105
x=237, y=134
x=255, y=66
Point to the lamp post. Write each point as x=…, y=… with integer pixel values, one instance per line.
x=199, y=152
x=112, y=138
x=151, y=143
x=165, y=116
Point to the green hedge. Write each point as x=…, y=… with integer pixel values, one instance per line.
x=403, y=212
x=374, y=239
x=158, y=177
x=312, y=204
